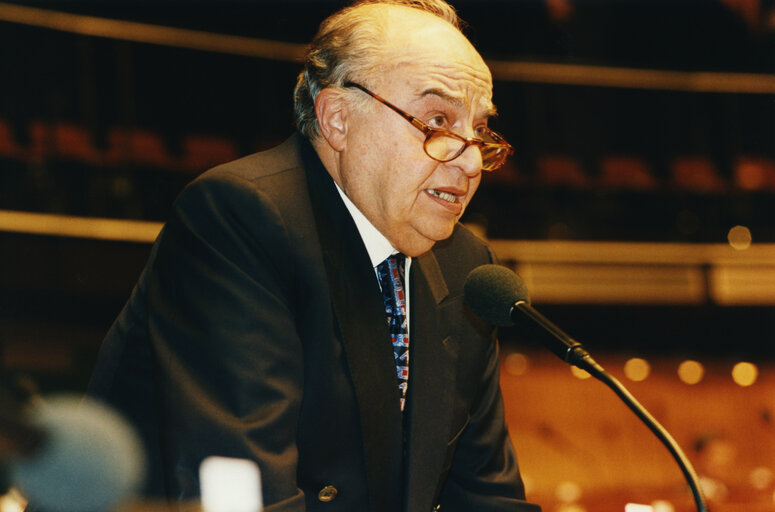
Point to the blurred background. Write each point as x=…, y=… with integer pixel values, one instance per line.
x=639, y=207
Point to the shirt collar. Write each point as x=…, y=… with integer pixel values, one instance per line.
x=376, y=244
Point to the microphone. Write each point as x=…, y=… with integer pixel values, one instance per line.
x=498, y=296
x=73, y=455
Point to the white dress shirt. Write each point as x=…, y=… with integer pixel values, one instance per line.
x=378, y=247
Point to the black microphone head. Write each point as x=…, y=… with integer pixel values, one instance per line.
x=491, y=291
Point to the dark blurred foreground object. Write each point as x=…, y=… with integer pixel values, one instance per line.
x=67, y=454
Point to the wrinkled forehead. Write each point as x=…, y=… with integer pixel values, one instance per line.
x=460, y=87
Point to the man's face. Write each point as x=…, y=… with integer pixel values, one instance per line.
x=434, y=74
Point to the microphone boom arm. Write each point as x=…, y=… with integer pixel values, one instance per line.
x=662, y=434
x=572, y=352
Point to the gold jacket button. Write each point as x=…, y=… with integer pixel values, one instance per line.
x=327, y=493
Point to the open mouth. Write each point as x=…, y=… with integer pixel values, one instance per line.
x=446, y=196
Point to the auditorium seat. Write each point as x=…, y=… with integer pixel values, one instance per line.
x=202, y=152
x=72, y=142
x=138, y=147
x=626, y=173
x=754, y=174
x=696, y=174
x=8, y=145
x=561, y=170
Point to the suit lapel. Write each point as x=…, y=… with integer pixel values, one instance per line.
x=360, y=314
x=432, y=370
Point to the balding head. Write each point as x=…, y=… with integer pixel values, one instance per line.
x=349, y=46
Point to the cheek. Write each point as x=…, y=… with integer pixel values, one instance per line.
x=410, y=172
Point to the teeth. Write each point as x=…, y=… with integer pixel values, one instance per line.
x=443, y=195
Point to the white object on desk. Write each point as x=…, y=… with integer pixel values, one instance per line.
x=230, y=485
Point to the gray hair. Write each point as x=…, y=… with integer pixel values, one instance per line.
x=346, y=45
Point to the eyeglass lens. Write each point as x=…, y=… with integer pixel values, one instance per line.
x=442, y=147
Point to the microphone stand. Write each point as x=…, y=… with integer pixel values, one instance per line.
x=662, y=434
x=572, y=352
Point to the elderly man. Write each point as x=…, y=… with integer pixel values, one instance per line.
x=303, y=306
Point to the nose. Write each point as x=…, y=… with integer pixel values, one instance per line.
x=470, y=161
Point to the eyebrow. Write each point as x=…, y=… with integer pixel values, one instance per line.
x=490, y=109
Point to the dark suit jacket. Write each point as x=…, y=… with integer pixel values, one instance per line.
x=257, y=330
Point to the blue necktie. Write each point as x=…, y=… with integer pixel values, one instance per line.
x=391, y=278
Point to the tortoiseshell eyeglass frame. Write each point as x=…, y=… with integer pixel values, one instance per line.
x=494, y=154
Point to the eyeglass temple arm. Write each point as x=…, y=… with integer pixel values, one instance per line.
x=500, y=141
x=415, y=122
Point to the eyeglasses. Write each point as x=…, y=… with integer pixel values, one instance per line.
x=444, y=146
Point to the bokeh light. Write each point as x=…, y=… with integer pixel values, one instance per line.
x=745, y=374
x=691, y=372
x=662, y=506
x=739, y=238
x=761, y=478
x=637, y=369
x=568, y=492
x=571, y=507
x=516, y=364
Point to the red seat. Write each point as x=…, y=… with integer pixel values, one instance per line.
x=138, y=147
x=202, y=152
x=754, y=173
x=626, y=172
x=73, y=142
x=696, y=174
x=8, y=146
x=559, y=170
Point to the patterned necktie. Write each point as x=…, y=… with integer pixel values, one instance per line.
x=391, y=278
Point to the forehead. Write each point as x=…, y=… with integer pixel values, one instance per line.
x=424, y=56
x=461, y=93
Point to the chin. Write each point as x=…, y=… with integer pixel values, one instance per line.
x=421, y=239
x=440, y=233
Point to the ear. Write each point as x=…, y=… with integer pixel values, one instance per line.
x=331, y=109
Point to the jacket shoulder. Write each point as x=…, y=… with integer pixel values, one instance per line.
x=463, y=247
x=277, y=160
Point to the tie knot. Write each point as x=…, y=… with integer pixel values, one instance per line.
x=400, y=260
x=398, y=257
x=393, y=266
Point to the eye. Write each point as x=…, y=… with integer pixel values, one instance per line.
x=438, y=121
x=480, y=131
